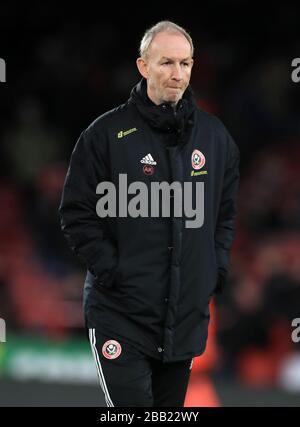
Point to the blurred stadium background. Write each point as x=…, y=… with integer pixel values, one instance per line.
x=65, y=66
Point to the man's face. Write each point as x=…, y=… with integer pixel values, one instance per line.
x=167, y=67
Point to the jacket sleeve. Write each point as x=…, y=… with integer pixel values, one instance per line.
x=87, y=233
x=225, y=227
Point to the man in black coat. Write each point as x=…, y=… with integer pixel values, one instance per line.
x=149, y=204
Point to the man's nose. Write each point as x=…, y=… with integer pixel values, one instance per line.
x=177, y=72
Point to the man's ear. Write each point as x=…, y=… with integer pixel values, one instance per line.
x=142, y=67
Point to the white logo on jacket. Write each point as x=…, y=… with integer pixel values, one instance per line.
x=148, y=160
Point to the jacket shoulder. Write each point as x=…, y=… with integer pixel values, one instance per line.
x=219, y=130
x=107, y=120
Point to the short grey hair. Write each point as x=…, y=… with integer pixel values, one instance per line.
x=160, y=27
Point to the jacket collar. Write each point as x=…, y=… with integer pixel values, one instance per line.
x=163, y=116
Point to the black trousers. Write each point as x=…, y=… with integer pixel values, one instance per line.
x=129, y=378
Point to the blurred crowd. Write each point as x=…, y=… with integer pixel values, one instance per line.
x=72, y=75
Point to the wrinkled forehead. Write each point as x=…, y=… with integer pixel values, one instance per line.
x=169, y=45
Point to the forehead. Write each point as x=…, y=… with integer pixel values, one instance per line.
x=170, y=45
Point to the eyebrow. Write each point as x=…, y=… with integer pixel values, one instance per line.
x=172, y=59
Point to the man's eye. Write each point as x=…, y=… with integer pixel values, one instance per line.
x=167, y=63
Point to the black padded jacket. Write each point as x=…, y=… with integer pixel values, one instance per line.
x=150, y=279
